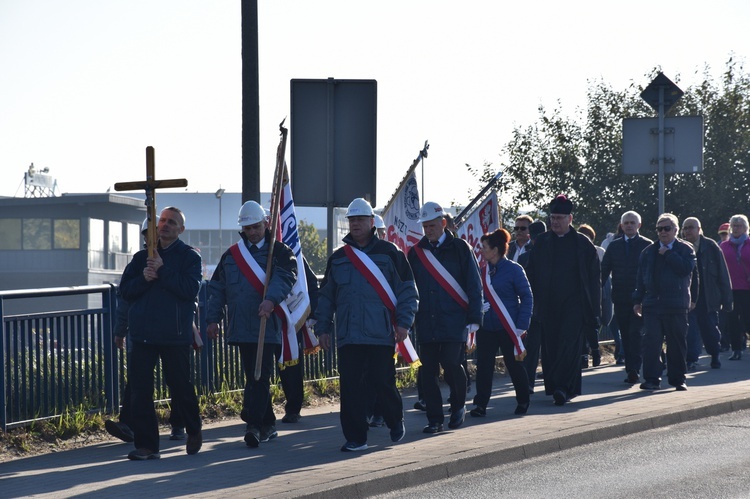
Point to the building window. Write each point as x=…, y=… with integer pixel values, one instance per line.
x=115, y=237
x=67, y=234
x=134, y=238
x=10, y=234
x=37, y=234
x=96, y=244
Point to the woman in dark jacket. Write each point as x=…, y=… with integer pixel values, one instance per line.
x=507, y=281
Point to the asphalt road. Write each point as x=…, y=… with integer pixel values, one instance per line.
x=707, y=458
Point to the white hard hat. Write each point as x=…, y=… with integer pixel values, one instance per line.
x=250, y=214
x=430, y=211
x=359, y=208
x=379, y=223
x=144, y=225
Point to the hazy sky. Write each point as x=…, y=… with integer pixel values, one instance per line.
x=86, y=85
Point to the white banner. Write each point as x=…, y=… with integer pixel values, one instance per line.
x=402, y=218
x=298, y=300
x=481, y=221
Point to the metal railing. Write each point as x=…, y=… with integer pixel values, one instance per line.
x=54, y=361
x=65, y=360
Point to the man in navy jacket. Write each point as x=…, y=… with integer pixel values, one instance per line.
x=663, y=296
x=443, y=318
x=161, y=292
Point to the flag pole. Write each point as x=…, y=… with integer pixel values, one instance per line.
x=466, y=211
x=278, y=179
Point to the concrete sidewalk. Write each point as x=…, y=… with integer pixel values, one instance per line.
x=305, y=460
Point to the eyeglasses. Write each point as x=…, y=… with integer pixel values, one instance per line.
x=665, y=228
x=520, y=229
x=690, y=227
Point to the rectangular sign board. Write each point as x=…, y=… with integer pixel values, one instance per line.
x=334, y=140
x=683, y=145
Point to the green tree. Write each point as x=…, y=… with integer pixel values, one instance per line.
x=581, y=156
x=313, y=248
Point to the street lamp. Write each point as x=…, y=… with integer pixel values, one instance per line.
x=218, y=195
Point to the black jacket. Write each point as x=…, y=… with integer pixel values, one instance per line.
x=539, y=275
x=623, y=267
x=714, y=276
x=670, y=291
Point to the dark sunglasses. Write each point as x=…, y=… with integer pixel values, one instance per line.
x=520, y=229
x=666, y=228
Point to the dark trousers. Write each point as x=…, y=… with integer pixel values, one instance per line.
x=126, y=415
x=451, y=356
x=257, y=409
x=487, y=344
x=175, y=363
x=293, y=383
x=657, y=328
x=738, y=321
x=631, y=332
x=362, y=367
x=532, y=343
x=703, y=330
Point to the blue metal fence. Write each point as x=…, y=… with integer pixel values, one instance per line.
x=64, y=360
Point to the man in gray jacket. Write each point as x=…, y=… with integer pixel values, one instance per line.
x=369, y=287
x=714, y=295
x=237, y=283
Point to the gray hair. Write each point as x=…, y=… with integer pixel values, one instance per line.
x=631, y=213
x=668, y=216
x=739, y=218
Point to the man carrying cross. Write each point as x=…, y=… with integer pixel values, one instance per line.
x=161, y=291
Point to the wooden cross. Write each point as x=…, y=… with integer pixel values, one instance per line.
x=150, y=186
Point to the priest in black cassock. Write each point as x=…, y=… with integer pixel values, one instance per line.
x=565, y=278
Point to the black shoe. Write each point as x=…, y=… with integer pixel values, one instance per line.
x=143, y=455
x=681, y=387
x=584, y=361
x=252, y=437
x=691, y=366
x=521, y=409
x=420, y=405
x=737, y=355
x=620, y=362
x=559, y=397
x=397, y=434
x=715, y=362
x=353, y=447
x=478, y=412
x=540, y=375
x=291, y=418
x=194, y=443
x=650, y=386
x=267, y=432
x=177, y=433
x=632, y=378
x=376, y=422
x=119, y=430
x=596, y=358
x=457, y=418
x=433, y=428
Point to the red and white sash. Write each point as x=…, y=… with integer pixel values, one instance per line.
x=257, y=277
x=448, y=283
x=502, y=312
x=442, y=276
x=377, y=280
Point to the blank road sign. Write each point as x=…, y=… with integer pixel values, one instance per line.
x=683, y=145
